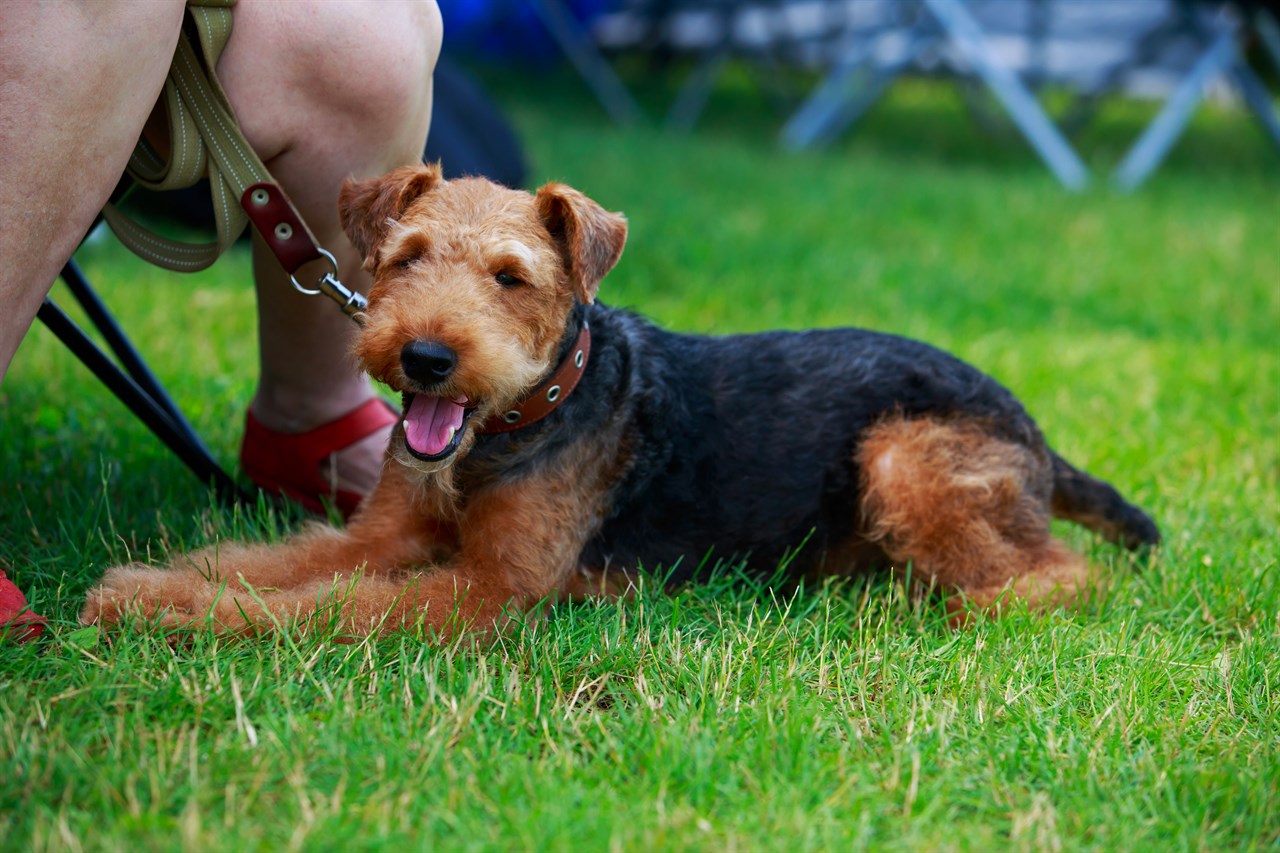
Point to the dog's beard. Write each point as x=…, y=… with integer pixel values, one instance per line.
x=401, y=453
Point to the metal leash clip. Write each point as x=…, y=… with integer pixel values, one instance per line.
x=352, y=302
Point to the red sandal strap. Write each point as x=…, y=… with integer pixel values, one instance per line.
x=291, y=463
x=319, y=444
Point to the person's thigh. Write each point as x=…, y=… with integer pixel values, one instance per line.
x=328, y=88
x=77, y=81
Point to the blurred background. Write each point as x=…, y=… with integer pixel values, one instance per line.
x=1039, y=70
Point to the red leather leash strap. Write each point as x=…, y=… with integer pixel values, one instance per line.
x=293, y=244
x=288, y=237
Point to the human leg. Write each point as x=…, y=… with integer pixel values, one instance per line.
x=78, y=81
x=358, y=102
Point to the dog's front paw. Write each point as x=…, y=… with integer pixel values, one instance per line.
x=152, y=594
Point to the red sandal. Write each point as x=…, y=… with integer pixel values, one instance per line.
x=17, y=622
x=291, y=463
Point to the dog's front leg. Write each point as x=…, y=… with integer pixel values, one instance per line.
x=227, y=582
x=519, y=545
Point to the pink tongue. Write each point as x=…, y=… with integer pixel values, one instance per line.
x=430, y=423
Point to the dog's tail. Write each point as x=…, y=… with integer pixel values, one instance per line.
x=1098, y=506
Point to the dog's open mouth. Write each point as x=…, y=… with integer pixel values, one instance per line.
x=433, y=426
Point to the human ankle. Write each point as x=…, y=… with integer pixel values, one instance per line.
x=293, y=409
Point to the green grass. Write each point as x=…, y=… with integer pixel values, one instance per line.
x=1140, y=330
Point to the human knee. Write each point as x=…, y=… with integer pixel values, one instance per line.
x=372, y=63
x=382, y=65
x=296, y=70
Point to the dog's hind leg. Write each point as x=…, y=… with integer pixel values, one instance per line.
x=968, y=510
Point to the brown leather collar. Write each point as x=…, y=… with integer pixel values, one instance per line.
x=550, y=394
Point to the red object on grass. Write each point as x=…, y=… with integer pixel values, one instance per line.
x=291, y=464
x=16, y=621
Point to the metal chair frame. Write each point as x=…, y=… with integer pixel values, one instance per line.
x=133, y=383
x=855, y=82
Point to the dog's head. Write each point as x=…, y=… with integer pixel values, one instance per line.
x=473, y=288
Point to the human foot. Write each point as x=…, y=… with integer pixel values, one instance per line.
x=339, y=460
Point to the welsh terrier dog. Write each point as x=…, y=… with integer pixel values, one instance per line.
x=552, y=446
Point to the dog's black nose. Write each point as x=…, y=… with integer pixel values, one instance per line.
x=427, y=362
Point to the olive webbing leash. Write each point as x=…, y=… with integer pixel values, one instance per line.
x=205, y=139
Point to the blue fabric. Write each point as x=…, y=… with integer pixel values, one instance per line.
x=507, y=28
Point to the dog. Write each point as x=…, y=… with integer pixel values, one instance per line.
x=552, y=447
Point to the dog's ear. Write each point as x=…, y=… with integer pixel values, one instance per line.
x=590, y=238
x=368, y=209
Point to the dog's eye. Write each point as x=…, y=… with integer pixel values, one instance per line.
x=506, y=279
x=405, y=263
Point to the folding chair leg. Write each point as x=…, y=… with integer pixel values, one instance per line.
x=696, y=92
x=1150, y=149
x=854, y=109
x=157, y=411
x=120, y=344
x=1085, y=105
x=815, y=116
x=592, y=67
x=837, y=102
x=844, y=96
x=1258, y=98
x=1022, y=107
